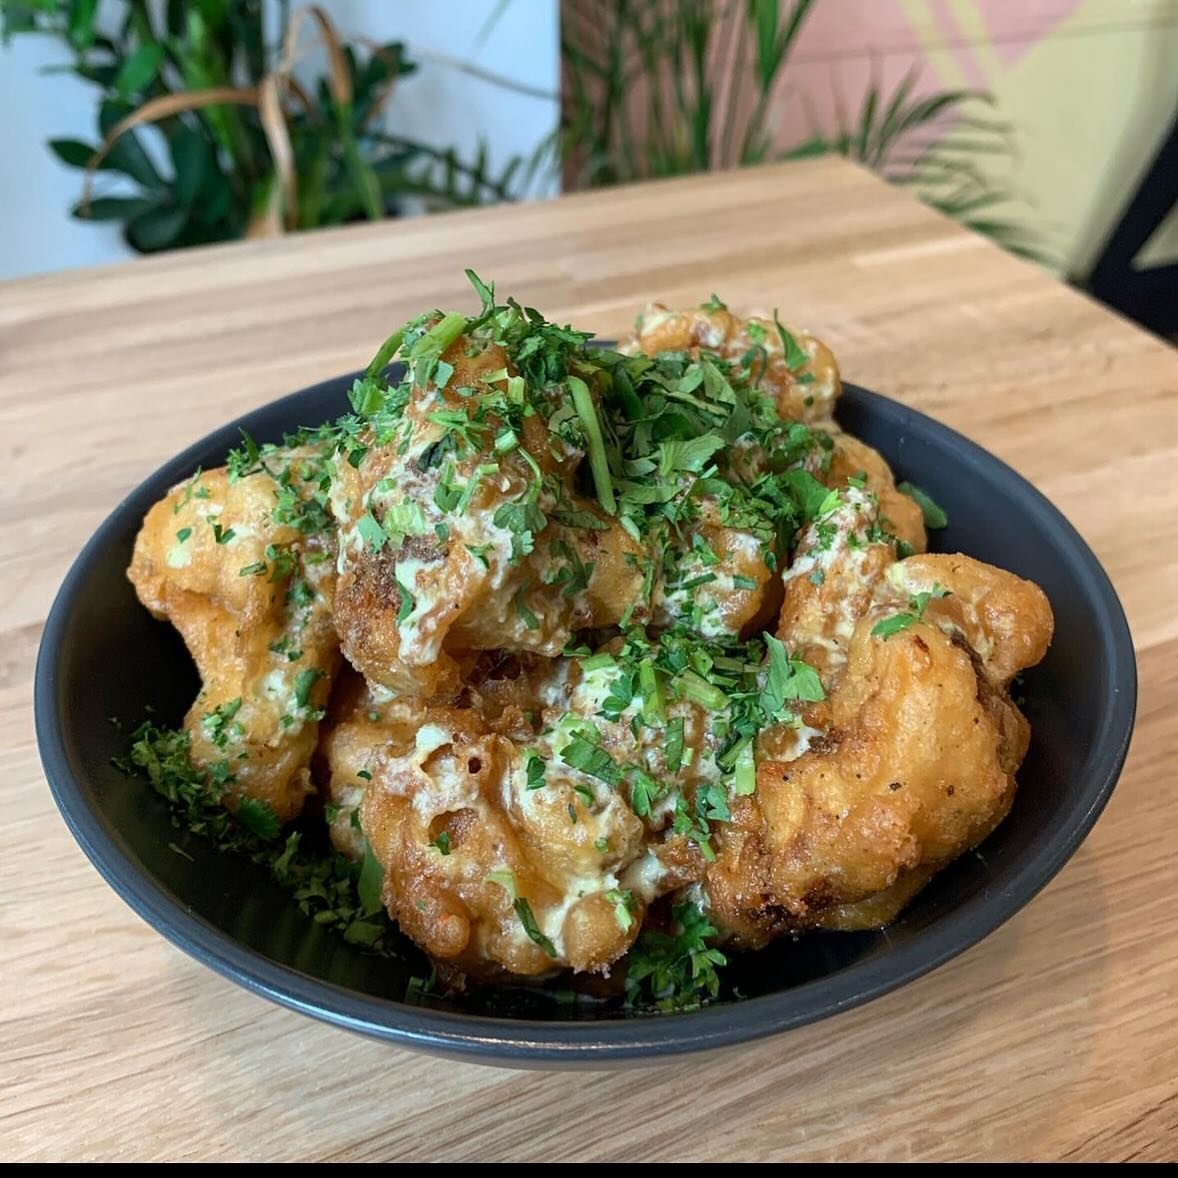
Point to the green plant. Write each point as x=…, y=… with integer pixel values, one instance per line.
x=668, y=87
x=246, y=148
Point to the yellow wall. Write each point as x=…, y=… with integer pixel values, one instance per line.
x=1090, y=101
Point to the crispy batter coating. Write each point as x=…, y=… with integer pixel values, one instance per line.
x=459, y=581
x=473, y=812
x=899, y=513
x=252, y=600
x=915, y=765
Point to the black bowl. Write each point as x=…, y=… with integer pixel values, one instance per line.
x=102, y=655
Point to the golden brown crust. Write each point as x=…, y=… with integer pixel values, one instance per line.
x=915, y=767
x=460, y=694
x=187, y=568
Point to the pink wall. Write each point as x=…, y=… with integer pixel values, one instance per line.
x=846, y=45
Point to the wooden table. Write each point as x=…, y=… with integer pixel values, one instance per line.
x=1055, y=1038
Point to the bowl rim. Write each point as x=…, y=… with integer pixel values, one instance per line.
x=531, y=1042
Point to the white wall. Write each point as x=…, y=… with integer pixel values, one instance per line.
x=440, y=104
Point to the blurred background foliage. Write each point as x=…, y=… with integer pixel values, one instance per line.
x=651, y=88
x=669, y=87
x=249, y=148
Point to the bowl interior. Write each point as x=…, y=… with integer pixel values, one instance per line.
x=104, y=657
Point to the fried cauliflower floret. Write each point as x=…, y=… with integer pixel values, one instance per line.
x=898, y=513
x=715, y=581
x=838, y=562
x=627, y=640
x=916, y=764
x=252, y=599
x=506, y=850
x=794, y=367
x=506, y=846
x=451, y=538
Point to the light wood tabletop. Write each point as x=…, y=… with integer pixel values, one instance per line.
x=1056, y=1037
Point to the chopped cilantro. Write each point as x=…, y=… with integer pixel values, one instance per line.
x=592, y=759
x=676, y=970
x=795, y=355
x=371, y=532
x=258, y=818
x=934, y=514
x=524, y=911
x=534, y=770
x=900, y=622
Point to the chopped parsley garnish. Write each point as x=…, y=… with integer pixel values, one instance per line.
x=917, y=604
x=795, y=356
x=787, y=680
x=524, y=911
x=183, y=534
x=371, y=532
x=222, y=535
x=442, y=842
x=534, y=771
x=370, y=883
x=257, y=818
x=625, y=906
x=324, y=883
x=304, y=681
x=526, y=616
x=934, y=514
x=219, y=725
x=505, y=878
x=589, y=757
x=676, y=970
x=408, y=601
x=525, y=521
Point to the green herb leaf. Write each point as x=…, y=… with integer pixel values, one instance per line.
x=534, y=769
x=598, y=461
x=408, y=601
x=524, y=911
x=676, y=971
x=371, y=883
x=592, y=759
x=934, y=515
x=257, y=818
x=505, y=878
x=787, y=680
x=304, y=681
x=371, y=532
x=795, y=355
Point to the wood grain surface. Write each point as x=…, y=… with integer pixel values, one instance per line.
x=1057, y=1037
